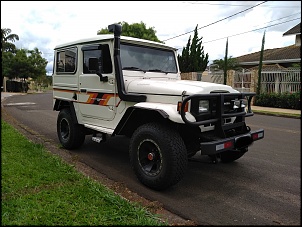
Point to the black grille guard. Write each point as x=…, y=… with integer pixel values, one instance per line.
x=220, y=109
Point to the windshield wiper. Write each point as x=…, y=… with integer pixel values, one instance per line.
x=133, y=68
x=157, y=70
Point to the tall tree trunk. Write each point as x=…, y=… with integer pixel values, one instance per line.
x=225, y=64
x=260, y=66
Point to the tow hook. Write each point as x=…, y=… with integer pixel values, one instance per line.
x=215, y=158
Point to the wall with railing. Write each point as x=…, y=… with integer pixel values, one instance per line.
x=273, y=81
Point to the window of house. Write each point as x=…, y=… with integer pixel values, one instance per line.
x=66, y=60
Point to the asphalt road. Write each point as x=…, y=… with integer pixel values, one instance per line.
x=261, y=188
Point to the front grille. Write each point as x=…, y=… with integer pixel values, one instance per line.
x=222, y=106
x=214, y=110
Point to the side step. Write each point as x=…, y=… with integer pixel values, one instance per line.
x=99, y=139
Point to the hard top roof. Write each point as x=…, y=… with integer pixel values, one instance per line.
x=111, y=37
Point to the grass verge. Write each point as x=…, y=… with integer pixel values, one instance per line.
x=38, y=188
x=290, y=115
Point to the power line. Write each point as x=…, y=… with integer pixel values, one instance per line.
x=216, y=21
x=282, y=18
x=254, y=30
x=222, y=4
x=248, y=31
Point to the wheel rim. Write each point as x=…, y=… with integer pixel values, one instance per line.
x=64, y=129
x=149, y=157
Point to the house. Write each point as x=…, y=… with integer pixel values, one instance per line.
x=278, y=57
x=277, y=74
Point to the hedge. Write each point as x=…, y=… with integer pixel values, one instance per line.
x=286, y=100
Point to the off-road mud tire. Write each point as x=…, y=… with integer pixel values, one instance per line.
x=71, y=134
x=158, y=155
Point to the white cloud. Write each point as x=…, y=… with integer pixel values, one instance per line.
x=44, y=24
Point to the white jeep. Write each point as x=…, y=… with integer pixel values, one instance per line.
x=114, y=85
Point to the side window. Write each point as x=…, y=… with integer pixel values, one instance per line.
x=66, y=60
x=101, y=54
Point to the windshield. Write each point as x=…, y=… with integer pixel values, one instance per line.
x=147, y=59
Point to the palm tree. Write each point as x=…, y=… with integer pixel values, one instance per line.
x=7, y=40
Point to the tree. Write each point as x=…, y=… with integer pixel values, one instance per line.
x=20, y=63
x=260, y=66
x=7, y=39
x=7, y=48
x=136, y=30
x=20, y=66
x=225, y=70
x=23, y=64
x=193, y=58
x=37, y=62
x=232, y=64
x=7, y=60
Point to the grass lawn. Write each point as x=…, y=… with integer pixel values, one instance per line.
x=38, y=188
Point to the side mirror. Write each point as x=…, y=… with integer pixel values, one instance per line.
x=93, y=65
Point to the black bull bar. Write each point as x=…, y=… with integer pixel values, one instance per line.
x=243, y=139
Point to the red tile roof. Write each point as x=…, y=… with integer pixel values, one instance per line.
x=284, y=53
x=268, y=67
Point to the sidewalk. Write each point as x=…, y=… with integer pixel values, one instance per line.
x=275, y=110
x=8, y=94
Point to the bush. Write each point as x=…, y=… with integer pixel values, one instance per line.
x=284, y=100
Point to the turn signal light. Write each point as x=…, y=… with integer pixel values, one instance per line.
x=186, y=109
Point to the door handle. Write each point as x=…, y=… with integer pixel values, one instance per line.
x=83, y=90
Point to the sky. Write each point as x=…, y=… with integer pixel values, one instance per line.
x=45, y=24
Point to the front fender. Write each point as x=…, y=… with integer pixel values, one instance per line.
x=169, y=109
x=142, y=113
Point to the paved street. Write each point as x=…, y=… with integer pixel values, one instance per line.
x=261, y=188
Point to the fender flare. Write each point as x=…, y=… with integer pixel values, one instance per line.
x=61, y=104
x=135, y=116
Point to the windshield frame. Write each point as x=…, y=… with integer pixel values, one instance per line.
x=147, y=58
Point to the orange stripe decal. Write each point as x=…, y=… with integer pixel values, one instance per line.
x=105, y=99
x=94, y=98
x=91, y=98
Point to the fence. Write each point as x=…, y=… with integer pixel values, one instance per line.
x=16, y=86
x=243, y=81
x=288, y=80
x=277, y=81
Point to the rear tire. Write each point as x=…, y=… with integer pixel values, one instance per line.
x=71, y=134
x=158, y=156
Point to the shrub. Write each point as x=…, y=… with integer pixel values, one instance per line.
x=284, y=100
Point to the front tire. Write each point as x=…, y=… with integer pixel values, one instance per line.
x=158, y=156
x=71, y=134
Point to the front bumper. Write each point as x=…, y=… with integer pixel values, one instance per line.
x=231, y=143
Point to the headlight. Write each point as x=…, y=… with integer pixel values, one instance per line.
x=203, y=106
x=239, y=103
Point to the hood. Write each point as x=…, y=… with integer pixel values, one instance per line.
x=174, y=87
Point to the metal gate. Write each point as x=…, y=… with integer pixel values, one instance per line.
x=285, y=80
x=243, y=81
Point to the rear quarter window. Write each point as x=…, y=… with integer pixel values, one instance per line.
x=66, y=60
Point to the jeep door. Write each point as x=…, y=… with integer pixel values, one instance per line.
x=97, y=96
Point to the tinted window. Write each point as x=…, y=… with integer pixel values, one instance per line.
x=66, y=60
x=101, y=53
